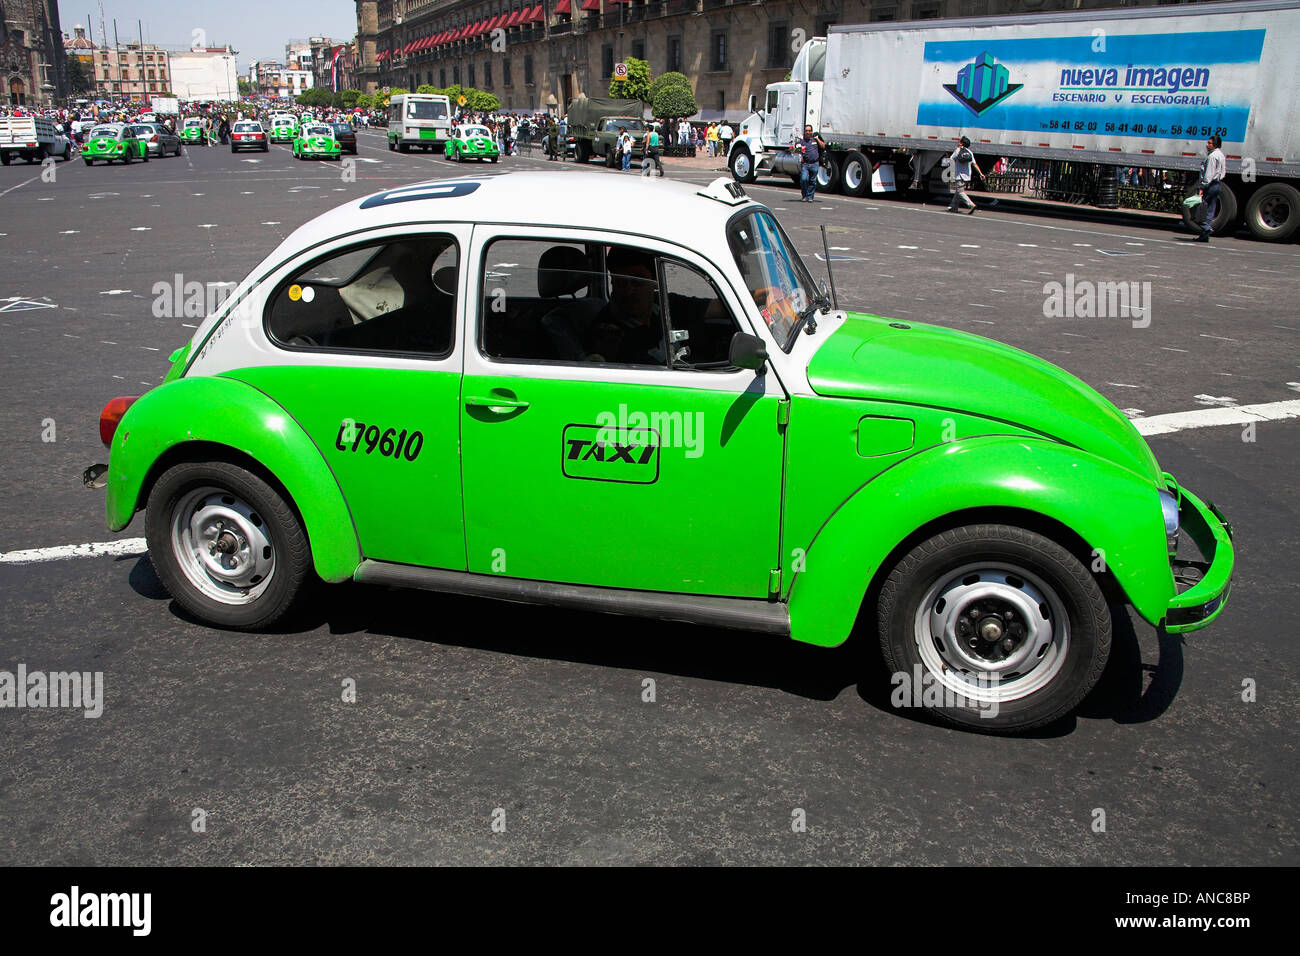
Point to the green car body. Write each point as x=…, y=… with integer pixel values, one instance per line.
x=120, y=147
x=312, y=143
x=193, y=134
x=473, y=142
x=283, y=132
x=832, y=465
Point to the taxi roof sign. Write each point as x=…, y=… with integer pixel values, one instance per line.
x=725, y=190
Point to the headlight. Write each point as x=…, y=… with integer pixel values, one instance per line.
x=1169, y=509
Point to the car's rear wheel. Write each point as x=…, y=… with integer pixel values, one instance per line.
x=1005, y=629
x=225, y=544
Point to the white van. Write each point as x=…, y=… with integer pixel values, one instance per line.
x=33, y=138
x=419, y=119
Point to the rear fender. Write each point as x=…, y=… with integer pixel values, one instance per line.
x=1113, y=511
x=225, y=412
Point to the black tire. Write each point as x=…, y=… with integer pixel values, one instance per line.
x=828, y=177
x=741, y=164
x=403, y=147
x=1273, y=212
x=392, y=147
x=89, y=162
x=1225, y=222
x=942, y=581
x=241, y=501
x=146, y=154
x=581, y=151
x=855, y=174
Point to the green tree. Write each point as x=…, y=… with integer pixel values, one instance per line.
x=80, y=79
x=426, y=88
x=246, y=88
x=347, y=98
x=637, y=84
x=314, y=98
x=365, y=101
x=666, y=80
x=674, y=102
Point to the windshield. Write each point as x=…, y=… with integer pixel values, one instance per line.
x=318, y=131
x=426, y=109
x=247, y=127
x=467, y=131
x=282, y=121
x=774, y=274
x=109, y=131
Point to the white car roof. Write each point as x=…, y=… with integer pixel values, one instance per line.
x=663, y=208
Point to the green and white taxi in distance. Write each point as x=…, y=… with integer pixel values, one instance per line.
x=194, y=132
x=284, y=129
x=472, y=142
x=113, y=143
x=316, y=141
x=499, y=387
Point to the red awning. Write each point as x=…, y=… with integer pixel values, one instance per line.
x=539, y=14
x=564, y=6
x=497, y=21
x=515, y=18
x=480, y=28
x=591, y=4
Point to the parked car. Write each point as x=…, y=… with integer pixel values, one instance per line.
x=633, y=397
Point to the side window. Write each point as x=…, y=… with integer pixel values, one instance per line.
x=571, y=302
x=700, y=325
x=397, y=296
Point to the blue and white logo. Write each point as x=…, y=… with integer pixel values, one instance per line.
x=982, y=84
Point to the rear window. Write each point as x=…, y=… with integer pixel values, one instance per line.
x=247, y=127
x=426, y=110
x=109, y=131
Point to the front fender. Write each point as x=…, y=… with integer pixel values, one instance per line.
x=1113, y=510
x=230, y=413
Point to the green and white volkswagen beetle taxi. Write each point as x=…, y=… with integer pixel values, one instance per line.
x=112, y=143
x=498, y=387
x=316, y=141
x=472, y=142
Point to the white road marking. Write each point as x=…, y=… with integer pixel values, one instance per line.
x=1211, y=417
x=1132, y=412
x=1238, y=308
x=69, y=232
x=967, y=245
x=60, y=552
x=1027, y=245
x=141, y=228
x=907, y=247
x=116, y=292
x=1122, y=385
x=1223, y=400
x=207, y=225
x=1170, y=349
x=1221, y=338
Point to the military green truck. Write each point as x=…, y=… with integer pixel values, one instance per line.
x=595, y=123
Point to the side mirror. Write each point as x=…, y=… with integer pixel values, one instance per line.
x=753, y=103
x=748, y=351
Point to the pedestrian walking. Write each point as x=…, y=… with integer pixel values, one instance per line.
x=552, y=138
x=651, y=153
x=1213, y=170
x=724, y=138
x=960, y=163
x=625, y=149
x=809, y=148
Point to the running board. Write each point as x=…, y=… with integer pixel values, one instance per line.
x=748, y=614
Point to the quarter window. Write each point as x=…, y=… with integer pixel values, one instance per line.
x=396, y=297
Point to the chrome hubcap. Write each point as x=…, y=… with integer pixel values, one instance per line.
x=853, y=175
x=222, y=545
x=1274, y=212
x=992, y=632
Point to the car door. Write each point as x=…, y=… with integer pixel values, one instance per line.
x=589, y=456
x=360, y=345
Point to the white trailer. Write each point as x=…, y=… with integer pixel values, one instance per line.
x=1138, y=87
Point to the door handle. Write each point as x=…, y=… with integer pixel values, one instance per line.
x=495, y=403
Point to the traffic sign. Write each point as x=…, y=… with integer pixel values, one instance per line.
x=620, y=71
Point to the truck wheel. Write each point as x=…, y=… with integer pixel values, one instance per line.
x=4, y=159
x=1273, y=212
x=582, y=151
x=609, y=159
x=403, y=147
x=828, y=177
x=225, y=545
x=855, y=174
x=1225, y=222
x=742, y=165
x=1007, y=628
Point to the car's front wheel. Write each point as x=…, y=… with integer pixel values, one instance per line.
x=1002, y=628
x=225, y=544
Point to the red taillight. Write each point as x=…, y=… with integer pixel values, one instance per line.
x=153, y=138
x=112, y=415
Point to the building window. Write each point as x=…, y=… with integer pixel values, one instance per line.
x=528, y=69
x=824, y=25
x=638, y=49
x=505, y=72
x=722, y=101
x=778, y=45
x=674, y=58
x=487, y=74
x=442, y=77
x=455, y=74
x=428, y=77
x=470, y=77
x=884, y=13
x=718, y=51
x=926, y=11
x=606, y=61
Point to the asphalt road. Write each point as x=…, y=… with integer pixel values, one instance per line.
x=465, y=708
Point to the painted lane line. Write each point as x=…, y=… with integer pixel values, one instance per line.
x=1212, y=417
x=61, y=552
x=1221, y=400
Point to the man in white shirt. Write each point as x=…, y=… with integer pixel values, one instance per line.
x=960, y=163
x=1213, y=171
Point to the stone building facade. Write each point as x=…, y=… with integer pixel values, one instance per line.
x=537, y=56
x=33, y=66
